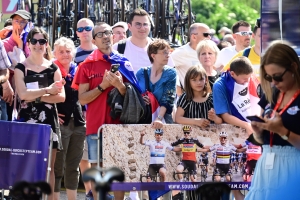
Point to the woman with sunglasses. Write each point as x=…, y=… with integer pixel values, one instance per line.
x=38, y=102
x=276, y=173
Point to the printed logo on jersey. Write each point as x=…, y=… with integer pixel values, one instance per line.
x=188, y=147
x=244, y=92
x=158, y=147
x=293, y=110
x=95, y=76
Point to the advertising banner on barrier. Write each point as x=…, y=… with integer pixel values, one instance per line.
x=122, y=148
x=24, y=150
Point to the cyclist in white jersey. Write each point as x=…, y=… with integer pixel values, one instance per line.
x=157, y=154
x=223, y=151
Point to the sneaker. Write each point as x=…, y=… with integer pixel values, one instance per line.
x=89, y=196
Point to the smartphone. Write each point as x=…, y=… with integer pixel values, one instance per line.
x=114, y=68
x=255, y=118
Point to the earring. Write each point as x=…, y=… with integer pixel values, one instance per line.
x=293, y=75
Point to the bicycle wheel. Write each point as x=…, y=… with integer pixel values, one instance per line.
x=185, y=21
x=169, y=23
x=155, y=19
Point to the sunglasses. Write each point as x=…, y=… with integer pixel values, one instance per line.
x=277, y=78
x=100, y=34
x=41, y=41
x=244, y=33
x=186, y=133
x=223, y=138
x=86, y=28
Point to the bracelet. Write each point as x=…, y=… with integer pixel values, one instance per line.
x=160, y=118
x=100, y=88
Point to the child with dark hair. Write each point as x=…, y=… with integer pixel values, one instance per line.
x=235, y=94
x=195, y=106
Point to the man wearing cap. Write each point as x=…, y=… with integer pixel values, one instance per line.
x=119, y=31
x=185, y=56
x=20, y=29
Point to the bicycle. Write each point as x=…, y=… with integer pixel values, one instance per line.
x=203, y=172
x=222, y=175
x=177, y=20
x=153, y=178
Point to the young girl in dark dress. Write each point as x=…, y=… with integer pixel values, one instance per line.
x=195, y=106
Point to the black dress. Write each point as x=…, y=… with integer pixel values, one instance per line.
x=43, y=113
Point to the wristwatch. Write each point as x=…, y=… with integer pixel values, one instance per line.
x=286, y=137
x=160, y=118
x=100, y=88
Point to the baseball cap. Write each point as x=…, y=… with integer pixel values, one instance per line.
x=122, y=24
x=22, y=13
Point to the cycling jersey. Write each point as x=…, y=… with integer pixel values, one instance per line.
x=253, y=152
x=158, y=151
x=188, y=147
x=223, y=152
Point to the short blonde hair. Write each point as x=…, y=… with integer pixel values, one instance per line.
x=64, y=42
x=90, y=22
x=207, y=44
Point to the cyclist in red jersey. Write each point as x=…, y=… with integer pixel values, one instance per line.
x=188, y=148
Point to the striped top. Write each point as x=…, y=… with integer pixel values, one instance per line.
x=195, y=109
x=81, y=54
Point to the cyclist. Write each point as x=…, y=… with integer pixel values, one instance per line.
x=188, y=148
x=253, y=152
x=223, y=151
x=157, y=154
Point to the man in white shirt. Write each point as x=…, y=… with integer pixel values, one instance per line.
x=185, y=56
x=242, y=34
x=137, y=45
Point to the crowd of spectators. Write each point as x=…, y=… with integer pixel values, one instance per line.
x=208, y=80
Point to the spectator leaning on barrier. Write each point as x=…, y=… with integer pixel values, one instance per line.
x=136, y=46
x=162, y=80
x=185, y=56
x=235, y=94
x=119, y=31
x=71, y=120
x=242, y=35
x=95, y=82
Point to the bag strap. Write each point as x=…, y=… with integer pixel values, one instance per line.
x=121, y=46
x=147, y=84
x=247, y=52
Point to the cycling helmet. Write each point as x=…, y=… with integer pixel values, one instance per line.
x=159, y=131
x=223, y=134
x=187, y=128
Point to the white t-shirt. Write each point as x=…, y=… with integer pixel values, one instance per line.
x=225, y=56
x=184, y=57
x=137, y=56
x=158, y=151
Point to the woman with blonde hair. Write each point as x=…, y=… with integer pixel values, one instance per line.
x=207, y=52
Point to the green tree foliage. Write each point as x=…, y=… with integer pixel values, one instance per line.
x=219, y=13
